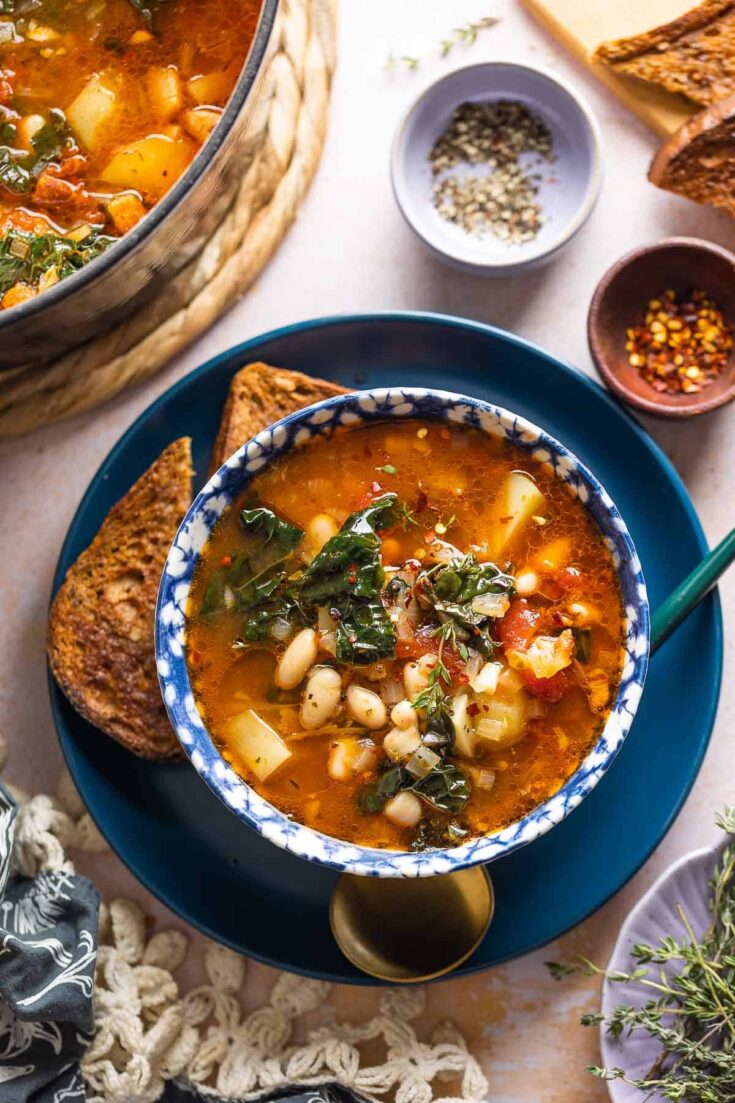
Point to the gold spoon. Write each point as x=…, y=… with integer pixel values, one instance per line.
x=419, y=928
x=404, y=930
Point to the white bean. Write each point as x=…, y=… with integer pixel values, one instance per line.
x=321, y=696
x=404, y=809
x=299, y=656
x=584, y=614
x=319, y=529
x=399, y=745
x=404, y=715
x=527, y=582
x=416, y=675
x=366, y=707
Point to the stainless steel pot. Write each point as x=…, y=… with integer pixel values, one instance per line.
x=115, y=285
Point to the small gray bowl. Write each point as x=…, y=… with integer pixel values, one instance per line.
x=567, y=191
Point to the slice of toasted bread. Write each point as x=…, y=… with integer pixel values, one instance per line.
x=693, y=55
x=100, y=638
x=260, y=395
x=699, y=160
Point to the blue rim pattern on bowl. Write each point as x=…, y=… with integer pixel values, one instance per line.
x=228, y=484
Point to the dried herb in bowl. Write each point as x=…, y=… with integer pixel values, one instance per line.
x=691, y=1010
x=502, y=201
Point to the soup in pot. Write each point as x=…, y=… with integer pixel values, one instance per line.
x=406, y=634
x=103, y=104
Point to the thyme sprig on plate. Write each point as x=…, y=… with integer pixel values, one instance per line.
x=465, y=35
x=691, y=1010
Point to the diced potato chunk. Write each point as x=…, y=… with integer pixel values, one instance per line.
x=261, y=748
x=502, y=723
x=164, y=90
x=201, y=121
x=404, y=809
x=125, y=210
x=150, y=165
x=553, y=556
x=90, y=112
x=546, y=656
x=517, y=501
x=210, y=88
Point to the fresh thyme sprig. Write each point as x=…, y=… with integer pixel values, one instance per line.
x=433, y=696
x=691, y=1010
x=406, y=515
x=447, y=633
x=466, y=35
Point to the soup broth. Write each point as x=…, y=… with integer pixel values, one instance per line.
x=405, y=634
x=103, y=104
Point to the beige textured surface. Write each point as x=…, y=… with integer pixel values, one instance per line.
x=581, y=25
x=283, y=147
x=350, y=251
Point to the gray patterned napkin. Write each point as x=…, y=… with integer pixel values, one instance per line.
x=48, y=944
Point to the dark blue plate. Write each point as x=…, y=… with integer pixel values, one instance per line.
x=218, y=875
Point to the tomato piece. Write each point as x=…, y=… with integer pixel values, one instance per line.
x=550, y=689
x=413, y=647
x=518, y=627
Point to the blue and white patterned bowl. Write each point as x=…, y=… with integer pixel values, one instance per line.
x=228, y=484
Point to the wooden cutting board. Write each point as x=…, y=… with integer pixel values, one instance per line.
x=581, y=25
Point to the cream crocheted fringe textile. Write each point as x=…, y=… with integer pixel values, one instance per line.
x=286, y=136
x=147, y=1032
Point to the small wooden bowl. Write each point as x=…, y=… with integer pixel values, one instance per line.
x=620, y=301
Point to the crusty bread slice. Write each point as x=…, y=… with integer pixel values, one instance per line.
x=260, y=395
x=100, y=638
x=699, y=160
x=693, y=55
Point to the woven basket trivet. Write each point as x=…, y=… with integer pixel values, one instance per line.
x=286, y=137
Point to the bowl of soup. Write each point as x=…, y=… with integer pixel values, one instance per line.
x=402, y=632
x=122, y=131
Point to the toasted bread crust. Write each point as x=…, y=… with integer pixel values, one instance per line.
x=259, y=396
x=100, y=636
x=698, y=161
x=693, y=55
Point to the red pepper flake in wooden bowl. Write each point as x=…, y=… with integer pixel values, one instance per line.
x=683, y=344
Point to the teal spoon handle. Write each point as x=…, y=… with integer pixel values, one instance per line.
x=691, y=591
